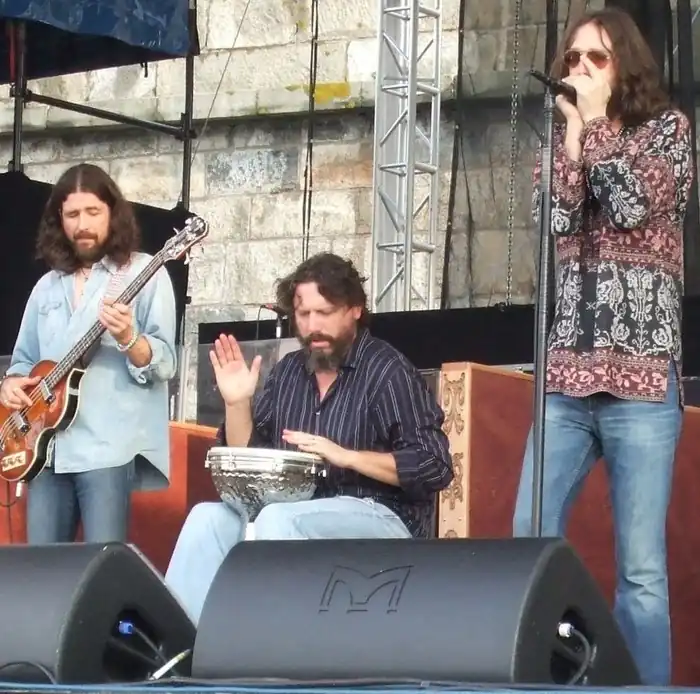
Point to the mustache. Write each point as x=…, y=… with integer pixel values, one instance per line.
x=318, y=337
x=85, y=235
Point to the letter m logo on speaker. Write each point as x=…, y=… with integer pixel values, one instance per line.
x=355, y=589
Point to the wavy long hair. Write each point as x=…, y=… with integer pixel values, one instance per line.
x=337, y=279
x=639, y=93
x=124, y=238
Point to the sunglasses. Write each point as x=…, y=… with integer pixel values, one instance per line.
x=598, y=58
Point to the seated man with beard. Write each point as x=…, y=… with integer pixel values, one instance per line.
x=345, y=396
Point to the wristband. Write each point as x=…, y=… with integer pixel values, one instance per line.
x=129, y=344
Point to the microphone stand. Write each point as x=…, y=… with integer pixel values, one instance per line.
x=541, y=307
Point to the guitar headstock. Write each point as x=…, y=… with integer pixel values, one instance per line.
x=193, y=232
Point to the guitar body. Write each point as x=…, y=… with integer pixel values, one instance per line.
x=25, y=437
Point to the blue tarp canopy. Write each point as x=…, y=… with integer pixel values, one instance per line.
x=67, y=36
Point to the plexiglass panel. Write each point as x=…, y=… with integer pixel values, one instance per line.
x=210, y=407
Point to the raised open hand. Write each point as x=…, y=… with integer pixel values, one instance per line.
x=236, y=382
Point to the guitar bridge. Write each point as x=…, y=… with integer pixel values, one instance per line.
x=46, y=393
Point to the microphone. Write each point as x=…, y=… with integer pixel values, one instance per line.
x=280, y=315
x=557, y=86
x=274, y=309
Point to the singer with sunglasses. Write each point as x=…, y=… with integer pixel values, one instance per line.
x=621, y=179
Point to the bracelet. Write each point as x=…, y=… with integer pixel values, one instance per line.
x=7, y=376
x=129, y=344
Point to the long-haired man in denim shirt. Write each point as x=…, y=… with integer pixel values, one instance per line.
x=119, y=438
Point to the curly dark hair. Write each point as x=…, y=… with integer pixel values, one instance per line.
x=337, y=279
x=124, y=235
x=639, y=93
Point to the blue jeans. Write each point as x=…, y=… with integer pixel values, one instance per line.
x=212, y=529
x=99, y=499
x=638, y=443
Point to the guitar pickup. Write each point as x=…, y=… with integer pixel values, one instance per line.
x=46, y=393
x=20, y=422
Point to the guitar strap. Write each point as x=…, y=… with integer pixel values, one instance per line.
x=116, y=285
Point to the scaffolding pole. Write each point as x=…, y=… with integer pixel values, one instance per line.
x=406, y=152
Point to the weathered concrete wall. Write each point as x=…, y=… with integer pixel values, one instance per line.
x=249, y=167
x=247, y=175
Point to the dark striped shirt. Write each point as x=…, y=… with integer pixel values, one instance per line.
x=379, y=402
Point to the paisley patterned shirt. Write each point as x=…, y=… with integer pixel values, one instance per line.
x=618, y=221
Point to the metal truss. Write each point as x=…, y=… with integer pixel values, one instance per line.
x=406, y=152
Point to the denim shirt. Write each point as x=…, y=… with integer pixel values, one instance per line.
x=123, y=410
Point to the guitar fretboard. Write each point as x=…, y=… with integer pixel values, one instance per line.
x=69, y=362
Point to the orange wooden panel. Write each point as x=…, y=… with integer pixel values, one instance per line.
x=12, y=525
x=156, y=517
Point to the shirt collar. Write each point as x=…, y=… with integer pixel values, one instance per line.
x=352, y=357
x=111, y=267
x=108, y=265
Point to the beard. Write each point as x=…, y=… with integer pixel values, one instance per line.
x=328, y=358
x=87, y=253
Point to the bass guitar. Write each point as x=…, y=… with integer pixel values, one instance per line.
x=25, y=434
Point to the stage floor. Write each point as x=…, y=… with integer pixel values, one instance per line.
x=182, y=687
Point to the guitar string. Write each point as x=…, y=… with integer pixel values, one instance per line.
x=37, y=393
x=10, y=426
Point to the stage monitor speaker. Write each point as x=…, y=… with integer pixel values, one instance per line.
x=474, y=611
x=87, y=613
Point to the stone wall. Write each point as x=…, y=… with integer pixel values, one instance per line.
x=247, y=174
x=493, y=243
x=248, y=169
x=247, y=181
